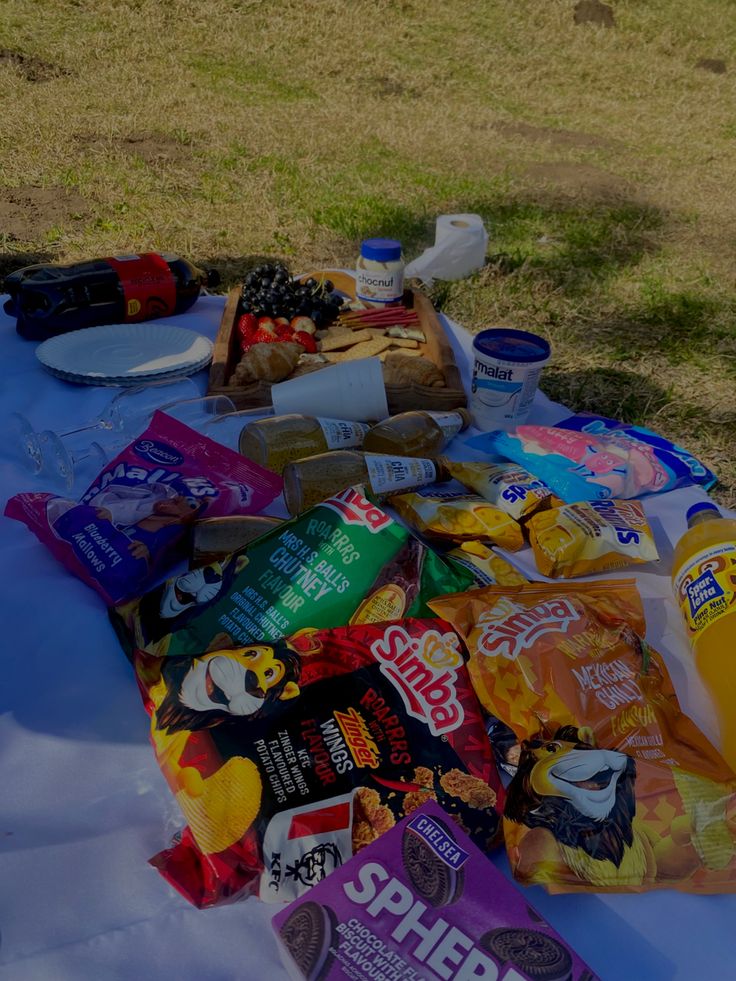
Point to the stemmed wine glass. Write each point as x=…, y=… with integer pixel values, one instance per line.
x=227, y=427
x=127, y=413
x=60, y=457
x=200, y=413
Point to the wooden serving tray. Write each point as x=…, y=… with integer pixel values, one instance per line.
x=400, y=398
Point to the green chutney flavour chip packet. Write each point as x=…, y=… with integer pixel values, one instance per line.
x=344, y=561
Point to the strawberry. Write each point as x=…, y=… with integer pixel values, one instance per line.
x=306, y=340
x=283, y=329
x=264, y=336
x=267, y=324
x=305, y=324
x=247, y=324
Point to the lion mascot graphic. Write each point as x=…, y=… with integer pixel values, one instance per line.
x=220, y=798
x=570, y=819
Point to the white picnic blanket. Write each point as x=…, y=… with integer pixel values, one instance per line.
x=83, y=804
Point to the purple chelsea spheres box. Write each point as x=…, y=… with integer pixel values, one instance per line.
x=421, y=903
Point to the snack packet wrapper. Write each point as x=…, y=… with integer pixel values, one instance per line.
x=616, y=788
x=422, y=902
x=450, y=516
x=589, y=537
x=287, y=758
x=579, y=818
x=125, y=528
x=504, y=485
x=588, y=458
x=343, y=561
x=488, y=567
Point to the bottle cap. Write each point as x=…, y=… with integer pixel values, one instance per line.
x=381, y=249
x=464, y=415
x=699, y=508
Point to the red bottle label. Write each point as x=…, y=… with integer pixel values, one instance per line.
x=148, y=285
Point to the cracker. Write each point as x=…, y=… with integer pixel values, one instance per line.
x=368, y=349
x=335, y=340
x=399, y=350
x=404, y=343
x=395, y=341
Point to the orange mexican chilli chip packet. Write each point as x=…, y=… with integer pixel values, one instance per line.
x=580, y=818
x=549, y=661
x=505, y=485
x=545, y=655
x=458, y=517
x=589, y=537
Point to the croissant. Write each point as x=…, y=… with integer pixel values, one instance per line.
x=267, y=362
x=398, y=369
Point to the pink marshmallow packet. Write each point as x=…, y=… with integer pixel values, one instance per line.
x=126, y=528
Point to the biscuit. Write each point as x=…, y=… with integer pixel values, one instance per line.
x=538, y=955
x=307, y=934
x=433, y=879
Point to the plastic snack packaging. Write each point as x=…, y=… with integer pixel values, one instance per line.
x=616, y=788
x=422, y=902
x=343, y=561
x=455, y=517
x=504, y=485
x=124, y=530
x=488, y=567
x=588, y=458
x=288, y=757
x=589, y=537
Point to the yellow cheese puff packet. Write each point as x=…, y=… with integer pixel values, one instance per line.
x=458, y=517
x=488, y=567
x=505, y=485
x=590, y=536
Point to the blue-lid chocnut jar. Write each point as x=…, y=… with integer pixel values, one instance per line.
x=506, y=369
x=379, y=272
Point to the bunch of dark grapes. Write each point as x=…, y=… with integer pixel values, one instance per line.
x=269, y=291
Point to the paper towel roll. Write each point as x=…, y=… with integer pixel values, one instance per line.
x=459, y=249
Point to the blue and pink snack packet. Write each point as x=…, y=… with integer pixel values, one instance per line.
x=590, y=458
x=421, y=902
x=124, y=530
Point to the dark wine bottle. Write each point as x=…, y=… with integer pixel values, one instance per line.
x=47, y=300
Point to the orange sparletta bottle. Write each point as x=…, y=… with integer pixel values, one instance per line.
x=704, y=581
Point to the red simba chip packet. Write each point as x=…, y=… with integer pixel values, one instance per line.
x=286, y=758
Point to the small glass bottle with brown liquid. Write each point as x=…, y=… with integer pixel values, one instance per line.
x=416, y=433
x=276, y=441
x=308, y=482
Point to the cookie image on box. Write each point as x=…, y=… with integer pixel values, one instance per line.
x=538, y=955
x=307, y=934
x=436, y=882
